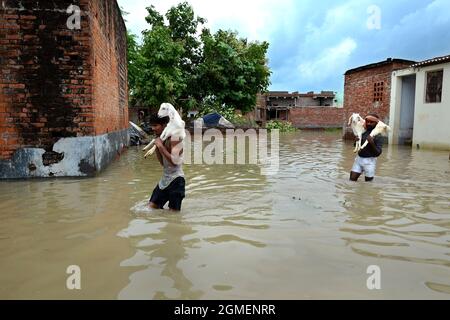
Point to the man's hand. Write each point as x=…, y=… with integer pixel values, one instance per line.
x=159, y=143
x=370, y=139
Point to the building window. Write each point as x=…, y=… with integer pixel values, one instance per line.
x=378, y=88
x=434, y=86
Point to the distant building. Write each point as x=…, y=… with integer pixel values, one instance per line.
x=367, y=89
x=63, y=88
x=420, y=104
x=303, y=110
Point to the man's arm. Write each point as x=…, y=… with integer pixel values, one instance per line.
x=173, y=156
x=160, y=159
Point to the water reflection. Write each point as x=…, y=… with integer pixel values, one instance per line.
x=161, y=245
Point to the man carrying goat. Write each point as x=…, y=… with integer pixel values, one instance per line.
x=366, y=160
x=171, y=187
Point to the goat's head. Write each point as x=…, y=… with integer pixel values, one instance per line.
x=383, y=128
x=167, y=110
x=355, y=118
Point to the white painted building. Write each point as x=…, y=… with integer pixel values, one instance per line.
x=420, y=104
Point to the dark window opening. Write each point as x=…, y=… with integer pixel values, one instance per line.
x=434, y=86
x=378, y=88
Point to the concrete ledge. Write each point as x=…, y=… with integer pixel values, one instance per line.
x=70, y=157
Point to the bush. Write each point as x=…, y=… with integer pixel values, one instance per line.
x=241, y=121
x=283, y=126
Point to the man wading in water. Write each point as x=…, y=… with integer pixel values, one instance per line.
x=171, y=187
x=366, y=160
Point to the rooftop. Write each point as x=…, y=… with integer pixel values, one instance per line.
x=296, y=94
x=430, y=62
x=380, y=64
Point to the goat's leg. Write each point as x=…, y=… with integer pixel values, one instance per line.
x=164, y=134
x=357, y=146
x=150, y=152
x=365, y=143
x=149, y=145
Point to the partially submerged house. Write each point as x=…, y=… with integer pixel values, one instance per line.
x=420, y=104
x=367, y=89
x=303, y=110
x=63, y=87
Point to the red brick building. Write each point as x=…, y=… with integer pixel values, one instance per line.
x=63, y=87
x=367, y=89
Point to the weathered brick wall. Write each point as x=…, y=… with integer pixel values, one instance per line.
x=109, y=67
x=44, y=75
x=316, y=117
x=359, y=92
x=56, y=82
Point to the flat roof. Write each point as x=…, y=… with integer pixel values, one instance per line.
x=286, y=94
x=380, y=64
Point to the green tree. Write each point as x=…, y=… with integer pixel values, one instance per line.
x=172, y=53
x=161, y=78
x=135, y=63
x=233, y=71
x=184, y=26
x=178, y=65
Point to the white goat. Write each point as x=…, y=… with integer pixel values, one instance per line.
x=174, y=129
x=358, y=126
x=381, y=128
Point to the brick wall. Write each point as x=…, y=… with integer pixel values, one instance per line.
x=109, y=67
x=56, y=82
x=316, y=117
x=359, y=92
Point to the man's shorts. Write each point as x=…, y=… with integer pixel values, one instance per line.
x=174, y=193
x=366, y=165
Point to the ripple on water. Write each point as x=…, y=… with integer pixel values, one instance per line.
x=291, y=230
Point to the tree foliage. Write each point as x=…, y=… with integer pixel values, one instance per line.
x=192, y=69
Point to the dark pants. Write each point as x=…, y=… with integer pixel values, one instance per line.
x=174, y=193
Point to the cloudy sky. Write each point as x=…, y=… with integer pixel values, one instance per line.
x=313, y=42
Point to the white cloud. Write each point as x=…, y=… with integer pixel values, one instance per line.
x=313, y=42
x=254, y=19
x=329, y=62
x=435, y=13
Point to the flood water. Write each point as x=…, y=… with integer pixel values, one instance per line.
x=305, y=233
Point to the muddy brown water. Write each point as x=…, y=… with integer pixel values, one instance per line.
x=304, y=233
